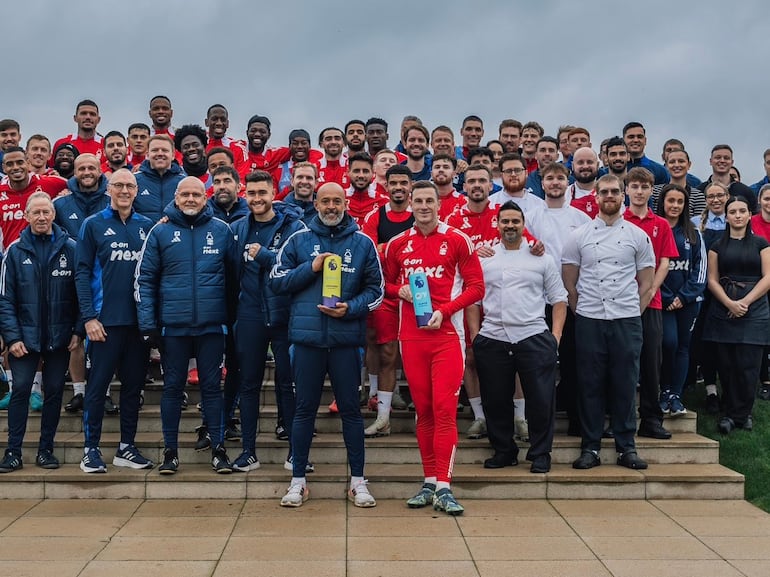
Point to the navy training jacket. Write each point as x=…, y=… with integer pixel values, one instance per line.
x=156, y=192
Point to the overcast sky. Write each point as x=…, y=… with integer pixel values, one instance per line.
x=697, y=71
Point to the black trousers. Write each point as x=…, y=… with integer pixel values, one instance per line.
x=566, y=392
x=650, y=364
x=738, y=366
x=497, y=363
x=608, y=353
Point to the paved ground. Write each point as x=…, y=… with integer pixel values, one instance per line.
x=187, y=538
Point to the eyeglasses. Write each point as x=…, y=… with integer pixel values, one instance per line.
x=716, y=196
x=610, y=192
x=123, y=185
x=516, y=171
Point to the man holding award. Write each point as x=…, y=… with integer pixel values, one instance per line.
x=332, y=273
x=434, y=272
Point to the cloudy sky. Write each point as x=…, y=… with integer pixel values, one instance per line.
x=697, y=71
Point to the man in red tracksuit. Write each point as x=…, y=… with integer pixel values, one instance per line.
x=433, y=356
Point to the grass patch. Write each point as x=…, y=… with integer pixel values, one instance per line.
x=743, y=451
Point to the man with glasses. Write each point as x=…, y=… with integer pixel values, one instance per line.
x=107, y=251
x=608, y=268
x=514, y=172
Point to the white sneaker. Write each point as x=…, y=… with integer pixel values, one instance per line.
x=360, y=496
x=521, y=428
x=295, y=496
x=477, y=430
x=379, y=428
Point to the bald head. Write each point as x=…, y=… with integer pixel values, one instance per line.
x=88, y=169
x=190, y=196
x=585, y=166
x=330, y=202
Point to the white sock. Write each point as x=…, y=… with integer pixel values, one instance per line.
x=430, y=481
x=79, y=389
x=9, y=374
x=383, y=404
x=108, y=394
x=374, y=381
x=299, y=481
x=37, y=383
x=518, y=409
x=478, y=409
x=710, y=389
x=192, y=364
x=123, y=446
x=355, y=481
x=442, y=485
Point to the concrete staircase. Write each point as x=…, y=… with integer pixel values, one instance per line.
x=684, y=467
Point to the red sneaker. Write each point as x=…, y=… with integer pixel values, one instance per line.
x=192, y=377
x=333, y=407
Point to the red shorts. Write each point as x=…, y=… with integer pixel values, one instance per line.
x=384, y=321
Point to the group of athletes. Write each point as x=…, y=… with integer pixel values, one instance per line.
x=542, y=263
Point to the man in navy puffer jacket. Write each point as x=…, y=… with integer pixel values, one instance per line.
x=39, y=320
x=263, y=315
x=184, y=289
x=157, y=178
x=327, y=339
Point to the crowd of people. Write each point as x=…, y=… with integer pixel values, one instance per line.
x=531, y=270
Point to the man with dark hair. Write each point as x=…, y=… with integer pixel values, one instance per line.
x=86, y=140
x=721, y=162
x=547, y=151
x=191, y=317
x=115, y=153
x=443, y=174
x=362, y=196
x=191, y=141
x=608, y=268
x=472, y=131
x=355, y=136
x=416, y=140
x=299, y=145
x=639, y=182
x=514, y=180
x=617, y=159
x=259, y=156
x=17, y=188
x=636, y=141
x=376, y=135
x=333, y=166
x=433, y=359
x=10, y=136
x=327, y=338
x=766, y=180
x=225, y=202
x=515, y=341
x=563, y=143
x=407, y=122
x=263, y=315
x=161, y=114
x=138, y=139
x=483, y=155
x=531, y=132
x=509, y=135
x=381, y=225
x=217, y=122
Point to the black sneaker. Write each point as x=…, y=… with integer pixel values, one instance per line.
x=75, y=404
x=204, y=439
x=281, y=433
x=232, y=433
x=219, y=461
x=11, y=462
x=110, y=408
x=170, y=462
x=764, y=392
x=45, y=460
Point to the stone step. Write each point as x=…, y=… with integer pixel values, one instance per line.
x=690, y=481
x=326, y=422
x=400, y=448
